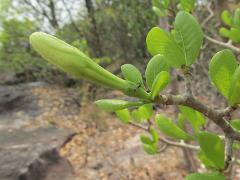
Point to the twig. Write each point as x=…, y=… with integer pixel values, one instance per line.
x=228, y=153
x=212, y=114
x=164, y=140
x=227, y=45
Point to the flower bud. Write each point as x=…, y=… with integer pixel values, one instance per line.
x=76, y=63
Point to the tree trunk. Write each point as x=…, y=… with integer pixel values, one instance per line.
x=96, y=43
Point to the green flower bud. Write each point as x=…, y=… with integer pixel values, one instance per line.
x=76, y=63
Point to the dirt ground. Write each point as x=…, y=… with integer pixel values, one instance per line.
x=103, y=148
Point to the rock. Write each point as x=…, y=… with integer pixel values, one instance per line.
x=33, y=155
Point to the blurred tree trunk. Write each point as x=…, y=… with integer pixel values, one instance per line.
x=96, y=43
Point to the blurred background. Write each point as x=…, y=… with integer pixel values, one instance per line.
x=57, y=110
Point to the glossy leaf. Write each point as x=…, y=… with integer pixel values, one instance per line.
x=181, y=121
x=145, y=139
x=235, y=35
x=170, y=129
x=137, y=116
x=187, y=5
x=205, y=176
x=213, y=148
x=123, y=115
x=131, y=73
x=156, y=65
x=221, y=70
x=159, y=12
x=234, y=91
x=146, y=111
x=236, y=19
x=224, y=32
x=150, y=149
x=207, y=163
x=189, y=36
x=162, y=42
x=154, y=135
x=195, y=118
x=226, y=17
x=115, y=105
x=160, y=83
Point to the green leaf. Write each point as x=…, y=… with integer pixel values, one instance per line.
x=145, y=139
x=213, y=148
x=156, y=65
x=115, y=105
x=181, y=121
x=123, y=115
x=236, y=19
x=221, y=70
x=207, y=163
x=162, y=42
x=131, y=73
x=170, y=129
x=235, y=35
x=160, y=82
x=224, y=32
x=205, y=176
x=189, y=36
x=234, y=91
x=159, y=12
x=137, y=116
x=195, y=118
x=187, y=5
x=226, y=17
x=235, y=124
x=154, y=135
x=150, y=148
x=146, y=111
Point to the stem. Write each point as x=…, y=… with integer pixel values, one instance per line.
x=227, y=45
x=212, y=114
x=166, y=141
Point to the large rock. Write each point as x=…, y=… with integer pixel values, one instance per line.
x=33, y=155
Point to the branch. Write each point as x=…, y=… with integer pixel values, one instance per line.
x=227, y=45
x=212, y=114
x=228, y=153
x=166, y=141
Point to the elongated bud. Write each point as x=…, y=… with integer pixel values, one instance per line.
x=76, y=63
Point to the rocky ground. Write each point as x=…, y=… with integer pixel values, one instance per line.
x=101, y=147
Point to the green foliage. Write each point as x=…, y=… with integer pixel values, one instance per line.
x=187, y=5
x=234, y=95
x=207, y=163
x=150, y=144
x=213, y=148
x=156, y=65
x=188, y=35
x=195, y=118
x=123, y=115
x=112, y=105
x=205, y=176
x=131, y=73
x=233, y=23
x=160, y=7
x=170, y=129
x=159, y=84
x=146, y=111
x=184, y=44
x=224, y=73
